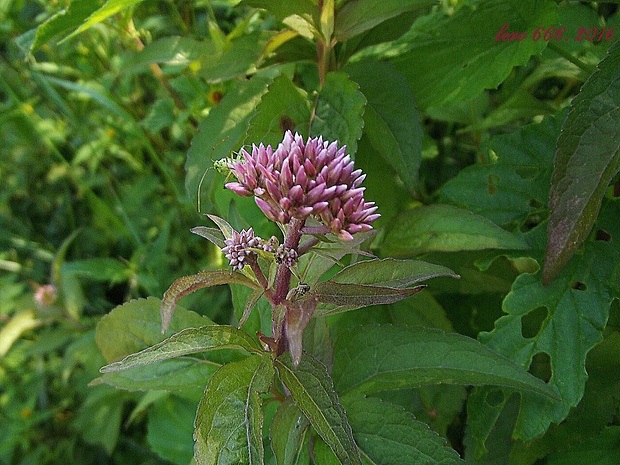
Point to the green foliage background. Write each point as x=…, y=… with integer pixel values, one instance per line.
x=496, y=159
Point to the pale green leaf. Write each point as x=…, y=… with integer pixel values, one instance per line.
x=188, y=341
x=287, y=432
x=108, y=9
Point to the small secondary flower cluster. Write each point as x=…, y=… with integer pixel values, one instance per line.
x=301, y=179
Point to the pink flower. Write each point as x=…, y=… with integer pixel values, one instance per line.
x=238, y=247
x=301, y=179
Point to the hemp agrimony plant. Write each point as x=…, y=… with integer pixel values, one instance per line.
x=312, y=190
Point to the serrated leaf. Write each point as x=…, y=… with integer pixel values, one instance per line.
x=66, y=19
x=446, y=59
x=188, y=284
x=219, y=133
x=338, y=113
x=389, y=435
x=188, y=341
x=514, y=185
x=577, y=303
x=386, y=357
x=287, y=432
x=586, y=160
x=136, y=325
x=358, y=16
x=312, y=390
x=108, y=9
x=445, y=228
x=391, y=119
x=284, y=107
x=229, y=418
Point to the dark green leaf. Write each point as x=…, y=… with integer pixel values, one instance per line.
x=586, y=160
x=288, y=429
x=391, y=119
x=99, y=269
x=389, y=435
x=445, y=228
x=312, y=390
x=229, y=418
x=136, y=325
x=357, y=16
x=339, y=109
x=188, y=341
x=172, y=50
x=573, y=310
x=449, y=58
x=188, y=284
x=385, y=357
x=601, y=450
x=515, y=182
x=283, y=107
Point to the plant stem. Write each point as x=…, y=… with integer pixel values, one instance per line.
x=283, y=275
x=574, y=60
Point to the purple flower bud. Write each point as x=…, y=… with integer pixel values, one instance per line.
x=299, y=179
x=237, y=249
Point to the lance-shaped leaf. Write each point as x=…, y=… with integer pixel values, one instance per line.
x=213, y=235
x=313, y=391
x=385, y=357
x=586, y=160
x=188, y=341
x=287, y=432
x=375, y=282
x=229, y=420
x=223, y=225
x=188, y=284
x=350, y=296
x=390, y=435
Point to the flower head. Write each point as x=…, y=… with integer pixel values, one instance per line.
x=300, y=179
x=238, y=247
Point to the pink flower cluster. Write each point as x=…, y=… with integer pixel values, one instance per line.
x=237, y=247
x=301, y=179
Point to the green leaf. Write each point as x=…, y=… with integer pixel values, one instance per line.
x=98, y=269
x=391, y=119
x=168, y=375
x=219, y=133
x=339, y=109
x=358, y=16
x=312, y=390
x=188, y=284
x=445, y=228
x=188, y=341
x=239, y=58
x=287, y=432
x=229, y=418
x=283, y=107
x=350, y=296
x=213, y=235
x=172, y=50
x=572, y=313
x=601, y=450
x=586, y=160
x=282, y=9
x=66, y=19
x=515, y=182
x=385, y=357
x=391, y=273
x=449, y=58
x=108, y=9
x=389, y=435
x=136, y=325
x=170, y=427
